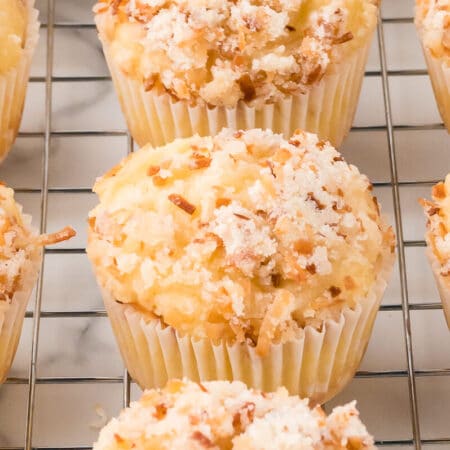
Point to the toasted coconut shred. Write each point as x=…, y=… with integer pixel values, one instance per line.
x=262, y=243
x=220, y=51
x=223, y=415
x=438, y=227
x=18, y=242
x=433, y=20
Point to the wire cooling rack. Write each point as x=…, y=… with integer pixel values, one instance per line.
x=68, y=374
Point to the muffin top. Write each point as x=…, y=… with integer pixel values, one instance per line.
x=223, y=51
x=433, y=20
x=243, y=236
x=19, y=243
x=438, y=227
x=222, y=415
x=13, y=24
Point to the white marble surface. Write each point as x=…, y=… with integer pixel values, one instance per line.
x=84, y=347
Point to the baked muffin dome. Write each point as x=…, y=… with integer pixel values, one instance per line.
x=13, y=25
x=223, y=51
x=222, y=415
x=244, y=236
x=433, y=20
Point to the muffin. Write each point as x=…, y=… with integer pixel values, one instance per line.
x=241, y=257
x=20, y=261
x=433, y=25
x=19, y=33
x=222, y=415
x=438, y=239
x=193, y=67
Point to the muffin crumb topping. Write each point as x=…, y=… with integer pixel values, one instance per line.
x=252, y=247
x=13, y=25
x=228, y=415
x=438, y=227
x=223, y=51
x=433, y=20
x=19, y=244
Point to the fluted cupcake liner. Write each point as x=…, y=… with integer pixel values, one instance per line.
x=439, y=73
x=443, y=283
x=317, y=365
x=13, y=313
x=327, y=108
x=13, y=85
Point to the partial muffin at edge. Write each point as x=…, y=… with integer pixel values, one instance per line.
x=438, y=239
x=223, y=415
x=20, y=261
x=13, y=27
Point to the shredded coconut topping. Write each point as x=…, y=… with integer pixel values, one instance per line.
x=13, y=23
x=433, y=21
x=19, y=244
x=279, y=235
x=438, y=226
x=223, y=415
x=223, y=51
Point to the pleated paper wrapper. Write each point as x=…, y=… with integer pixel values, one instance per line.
x=13, y=85
x=13, y=313
x=440, y=79
x=318, y=365
x=443, y=283
x=327, y=109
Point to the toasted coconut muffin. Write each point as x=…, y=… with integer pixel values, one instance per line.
x=242, y=238
x=433, y=24
x=20, y=259
x=222, y=415
x=438, y=239
x=19, y=32
x=13, y=26
x=222, y=55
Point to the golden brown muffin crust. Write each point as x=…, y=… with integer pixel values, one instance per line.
x=262, y=238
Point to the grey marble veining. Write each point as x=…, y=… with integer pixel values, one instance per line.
x=76, y=347
x=84, y=346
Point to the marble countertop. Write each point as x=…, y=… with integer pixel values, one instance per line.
x=79, y=345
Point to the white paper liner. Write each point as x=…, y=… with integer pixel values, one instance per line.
x=327, y=109
x=443, y=283
x=318, y=365
x=440, y=79
x=13, y=85
x=12, y=314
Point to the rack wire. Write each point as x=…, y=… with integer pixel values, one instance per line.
x=404, y=306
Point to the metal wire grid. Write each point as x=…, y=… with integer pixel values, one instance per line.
x=410, y=373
